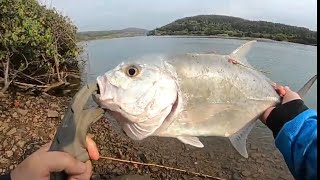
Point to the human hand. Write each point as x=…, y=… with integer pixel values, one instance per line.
x=287, y=94
x=41, y=163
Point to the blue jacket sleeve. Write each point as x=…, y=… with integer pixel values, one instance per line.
x=294, y=127
x=297, y=141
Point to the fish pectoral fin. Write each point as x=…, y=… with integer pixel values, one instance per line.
x=193, y=141
x=239, y=139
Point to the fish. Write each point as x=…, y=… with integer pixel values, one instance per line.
x=188, y=96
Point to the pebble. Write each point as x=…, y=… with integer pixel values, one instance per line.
x=110, y=166
x=41, y=101
x=4, y=161
x=52, y=114
x=9, y=153
x=51, y=136
x=236, y=176
x=28, y=103
x=22, y=111
x=255, y=155
x=254, y=147
x=54, y=106
x=4, y=125
x=246, y=173
x=21, y=143
x=220, y=174
x=255, y=175
x=143, y=158
x=15, y=115
x=153, y=169
x=5, y=143
x=12, y=131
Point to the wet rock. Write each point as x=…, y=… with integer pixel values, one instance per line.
x=22, y=111
x=246, y=173
x=52, y=114
x=11, y=131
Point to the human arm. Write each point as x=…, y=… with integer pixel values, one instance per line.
x=294, y=127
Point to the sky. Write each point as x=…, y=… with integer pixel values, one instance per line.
x=91, y=15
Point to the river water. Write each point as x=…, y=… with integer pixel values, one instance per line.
x=289, y=64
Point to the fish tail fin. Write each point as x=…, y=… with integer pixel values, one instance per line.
x=304, y=90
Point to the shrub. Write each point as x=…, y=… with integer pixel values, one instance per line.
x=37, y=45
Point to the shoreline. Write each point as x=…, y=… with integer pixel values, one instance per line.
x=229, y=37
x=195, y=36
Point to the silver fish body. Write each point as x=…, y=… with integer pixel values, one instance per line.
x=188, y=96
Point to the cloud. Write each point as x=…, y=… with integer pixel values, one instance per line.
x=116, y=14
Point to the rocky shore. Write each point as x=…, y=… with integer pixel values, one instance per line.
x=28, y=122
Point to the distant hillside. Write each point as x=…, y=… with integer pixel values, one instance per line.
x=217, y=25
x=128, y=32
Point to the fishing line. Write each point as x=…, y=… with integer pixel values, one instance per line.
x=161, y=166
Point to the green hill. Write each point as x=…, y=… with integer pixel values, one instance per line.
x=217, y=25
x=128, y=32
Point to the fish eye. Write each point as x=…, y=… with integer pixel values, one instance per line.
x=132, y=71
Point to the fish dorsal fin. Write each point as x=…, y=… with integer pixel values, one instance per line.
x=240, y=53
x=303, y=91
x=239, y=139
x=194, y=141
